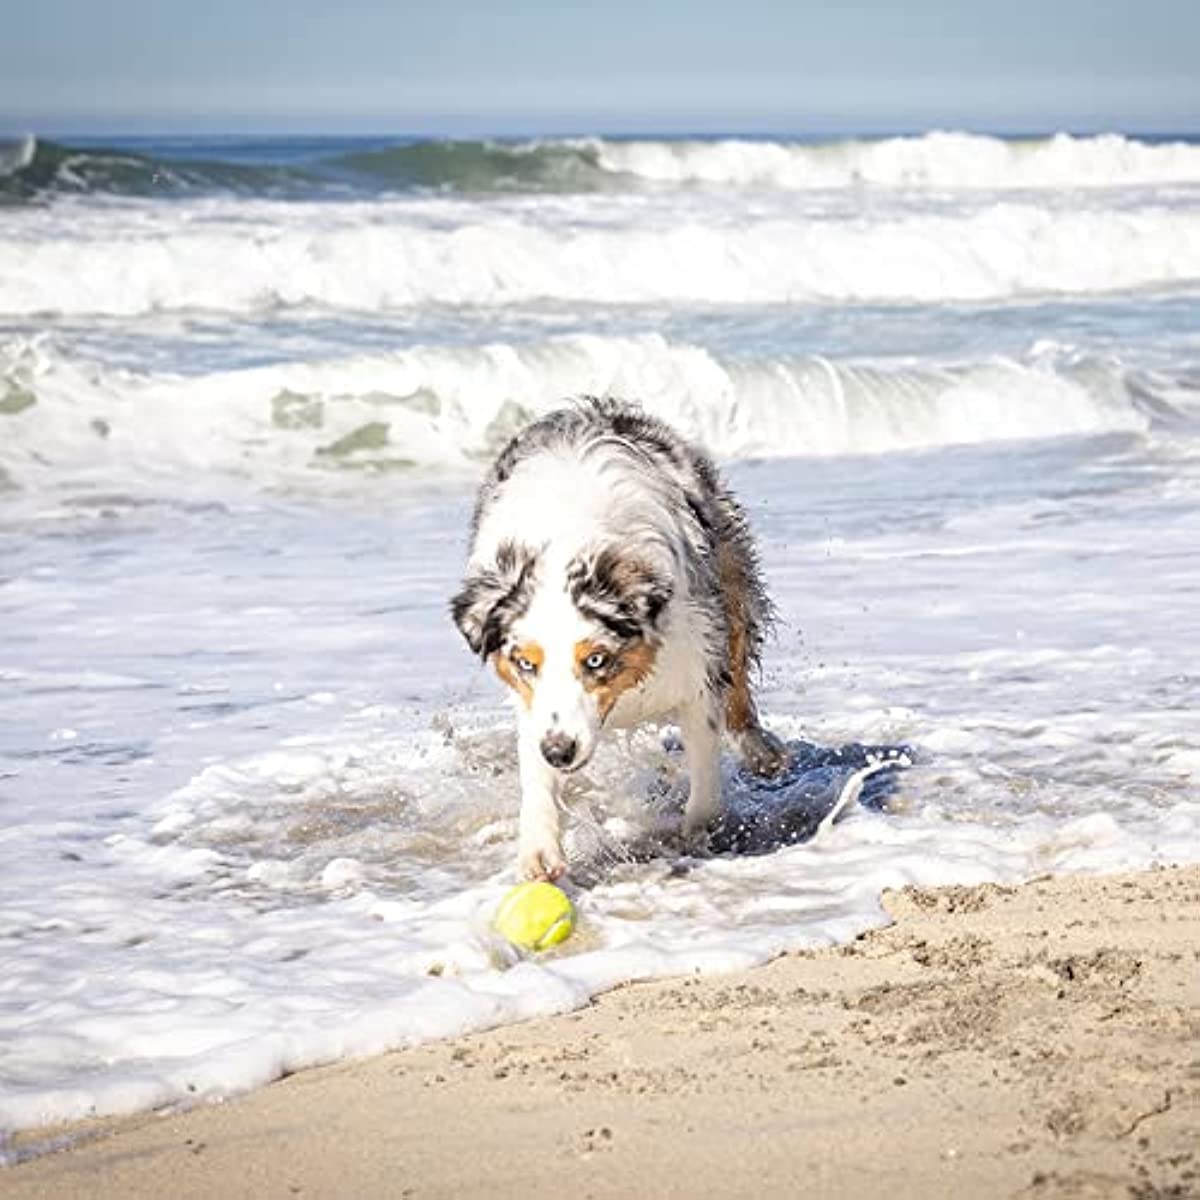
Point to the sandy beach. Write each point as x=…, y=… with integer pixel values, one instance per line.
x=1036, y=1041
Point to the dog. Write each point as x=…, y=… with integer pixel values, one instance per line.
x=612, y=580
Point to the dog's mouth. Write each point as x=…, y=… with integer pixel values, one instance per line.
x=572, y=768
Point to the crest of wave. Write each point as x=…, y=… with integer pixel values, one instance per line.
x=452, y=406
x=934, y=160
x=16, y=154
x=146, y=260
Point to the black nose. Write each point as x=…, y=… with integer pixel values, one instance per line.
x=559, y=750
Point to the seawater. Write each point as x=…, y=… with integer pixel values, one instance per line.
x=256, y=800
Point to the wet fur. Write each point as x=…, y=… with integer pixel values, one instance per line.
x=599, y=527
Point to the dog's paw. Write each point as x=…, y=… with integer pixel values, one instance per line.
x=543, y=860
x=695, y=838
x=698, y=819
x=763, y=753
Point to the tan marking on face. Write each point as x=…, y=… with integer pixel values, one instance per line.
x=630, y=667
x=506, y=668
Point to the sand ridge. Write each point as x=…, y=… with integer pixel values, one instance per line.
x=1035, y=1041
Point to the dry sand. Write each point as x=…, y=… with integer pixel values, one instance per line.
x=1040, y=1041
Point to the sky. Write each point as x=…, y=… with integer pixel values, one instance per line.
x=538, y=66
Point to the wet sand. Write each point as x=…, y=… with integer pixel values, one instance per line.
x=1039, y=1041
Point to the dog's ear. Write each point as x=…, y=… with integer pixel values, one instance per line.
x=492, y=597
x=621, y=591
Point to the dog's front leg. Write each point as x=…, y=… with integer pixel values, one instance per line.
x=700, y=725
x=539, y=852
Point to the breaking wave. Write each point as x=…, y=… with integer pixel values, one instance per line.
x=935, y=160
x=449, y=406
x=32, y=168
x=259, y=256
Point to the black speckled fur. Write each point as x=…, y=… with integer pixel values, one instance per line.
x=714, y=521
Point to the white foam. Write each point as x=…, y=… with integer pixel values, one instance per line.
x=301, y=863
x=222, y=990
x=257, y=256
x=449, y=406
x=945, y=160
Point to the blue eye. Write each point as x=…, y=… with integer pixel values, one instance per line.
x=596, y=661
x=524, y=665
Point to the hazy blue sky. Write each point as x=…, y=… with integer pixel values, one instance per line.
x=473, y=66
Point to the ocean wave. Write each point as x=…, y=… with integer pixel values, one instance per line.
x=16, y=154
x=483, y=166
x=451, y=406
x=940, y=160
x=258, y=256
x=937, y=160
x=35, y=169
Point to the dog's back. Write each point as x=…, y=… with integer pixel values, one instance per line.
x=602, y=468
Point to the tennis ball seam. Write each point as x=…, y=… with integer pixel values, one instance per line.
x=552, y=936
x=515, y=926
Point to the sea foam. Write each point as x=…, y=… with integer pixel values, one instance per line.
x=265, y=825
x=261, y=256
x=259, y=961
x=941, y=160
x=451, y=406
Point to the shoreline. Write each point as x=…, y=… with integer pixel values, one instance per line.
x=1039, y=1040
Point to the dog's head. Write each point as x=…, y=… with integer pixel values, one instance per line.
x=569, y=641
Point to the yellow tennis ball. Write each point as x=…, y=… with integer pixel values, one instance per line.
x=535, y=916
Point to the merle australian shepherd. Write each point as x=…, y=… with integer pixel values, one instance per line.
x=613, y=580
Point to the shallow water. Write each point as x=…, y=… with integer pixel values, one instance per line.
x=256, y=793
x=258, y=801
